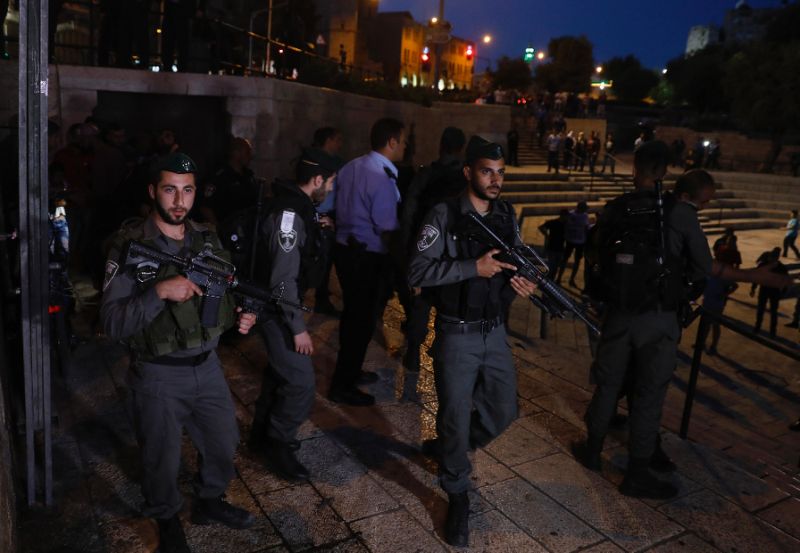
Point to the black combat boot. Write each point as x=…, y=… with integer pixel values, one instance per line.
x=588, y=453
x=216, y=509
x=456, y=526
x=432, y=448
x=171, y=538
x=281, y=460
x=660, y=461
x=639, y=482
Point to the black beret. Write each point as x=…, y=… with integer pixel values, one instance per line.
x=480, y=148
x=177, y=162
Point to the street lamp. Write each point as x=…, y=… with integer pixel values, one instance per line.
x=434, y=20
x=540, y=56
x=487, y=39
x=599, y=69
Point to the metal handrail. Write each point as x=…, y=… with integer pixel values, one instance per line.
x=706, y=318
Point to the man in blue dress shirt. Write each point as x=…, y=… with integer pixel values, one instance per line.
x=366, y=213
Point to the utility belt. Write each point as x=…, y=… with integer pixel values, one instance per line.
x=452, y=325
x=171, y=361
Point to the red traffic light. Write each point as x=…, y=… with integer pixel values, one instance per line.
x=470, y=53
x=425, y=56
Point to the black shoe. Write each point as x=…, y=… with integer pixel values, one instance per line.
x=588, y=456
x=618, y=421
x=171, y=538
x=208, y=510
x=367, y=377
x=712, y=351
x=281, y=460
x=456, y=526
x=326, y=308
x=351, y=396
x=660, y=461
x=640, y=482
x=795, y=426
x=793, y=324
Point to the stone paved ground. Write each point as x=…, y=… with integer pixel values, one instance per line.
x=372, y=490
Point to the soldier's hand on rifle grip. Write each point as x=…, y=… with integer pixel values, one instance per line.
x=302, y=344
x=522, y=286
x=488, y=266
x=245, y=321
x=177, y=289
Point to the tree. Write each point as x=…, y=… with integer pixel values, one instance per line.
x=762, y=82
x=570, y=67
x=511, y=74
x=697, y=79
x=632, y=82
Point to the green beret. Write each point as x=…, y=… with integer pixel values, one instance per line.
x=177, y=162
x=480, y=148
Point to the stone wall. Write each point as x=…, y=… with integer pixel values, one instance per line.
x=739, y=152
x=279, y=117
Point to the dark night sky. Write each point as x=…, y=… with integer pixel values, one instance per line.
x=655, y=31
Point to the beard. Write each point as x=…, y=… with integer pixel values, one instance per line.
x=167, y=218
x=484, y=194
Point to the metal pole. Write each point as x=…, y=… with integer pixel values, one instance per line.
x=438, y=50
x=250, y=38
x=33, y=88
x=267, y=57
x=691, y=387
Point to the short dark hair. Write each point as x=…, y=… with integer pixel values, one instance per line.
x=384, y=130
x=692, y=182
x=452, y=141
x=651, y=159
x=322, y=135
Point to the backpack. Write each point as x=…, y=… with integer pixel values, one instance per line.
x=622, y=256
x=238, y=234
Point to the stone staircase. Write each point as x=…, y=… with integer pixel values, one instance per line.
x=741, y=203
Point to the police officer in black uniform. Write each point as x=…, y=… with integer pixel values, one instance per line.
x=643, y=298
x=472, y=291
x=291, y=260
x=233, y=187
x=441, y=180
x=176, y=377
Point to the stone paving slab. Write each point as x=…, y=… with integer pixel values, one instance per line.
x=396, y=531
x=727, y=526
x=627, y=522
x=541, y=517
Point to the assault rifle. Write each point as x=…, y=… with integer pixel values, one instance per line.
x=552, y=299
x=215, y=276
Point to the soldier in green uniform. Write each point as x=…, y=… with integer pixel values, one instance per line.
x=292, y=259
x=176, y=377
x=476, y=382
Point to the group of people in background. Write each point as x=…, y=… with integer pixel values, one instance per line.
x=577, y=152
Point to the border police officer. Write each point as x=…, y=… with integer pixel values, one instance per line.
x=291, y=261
x=641, y=327
x=176, y=377
x=473, y=367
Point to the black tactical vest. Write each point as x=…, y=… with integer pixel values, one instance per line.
x=476, y=298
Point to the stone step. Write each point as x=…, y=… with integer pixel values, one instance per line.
x=784, y=206
x=755, y=193
x=548, y=197
x=718, y=227
x=529, y=177
x=552, y=208
x=540, y=186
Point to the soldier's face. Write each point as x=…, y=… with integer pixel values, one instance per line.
x=173, y=196
x=325, y=186
x=485, y=178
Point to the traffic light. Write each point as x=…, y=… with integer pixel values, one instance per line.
x=470, y=52
x=528, y=54
x=425, y=58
